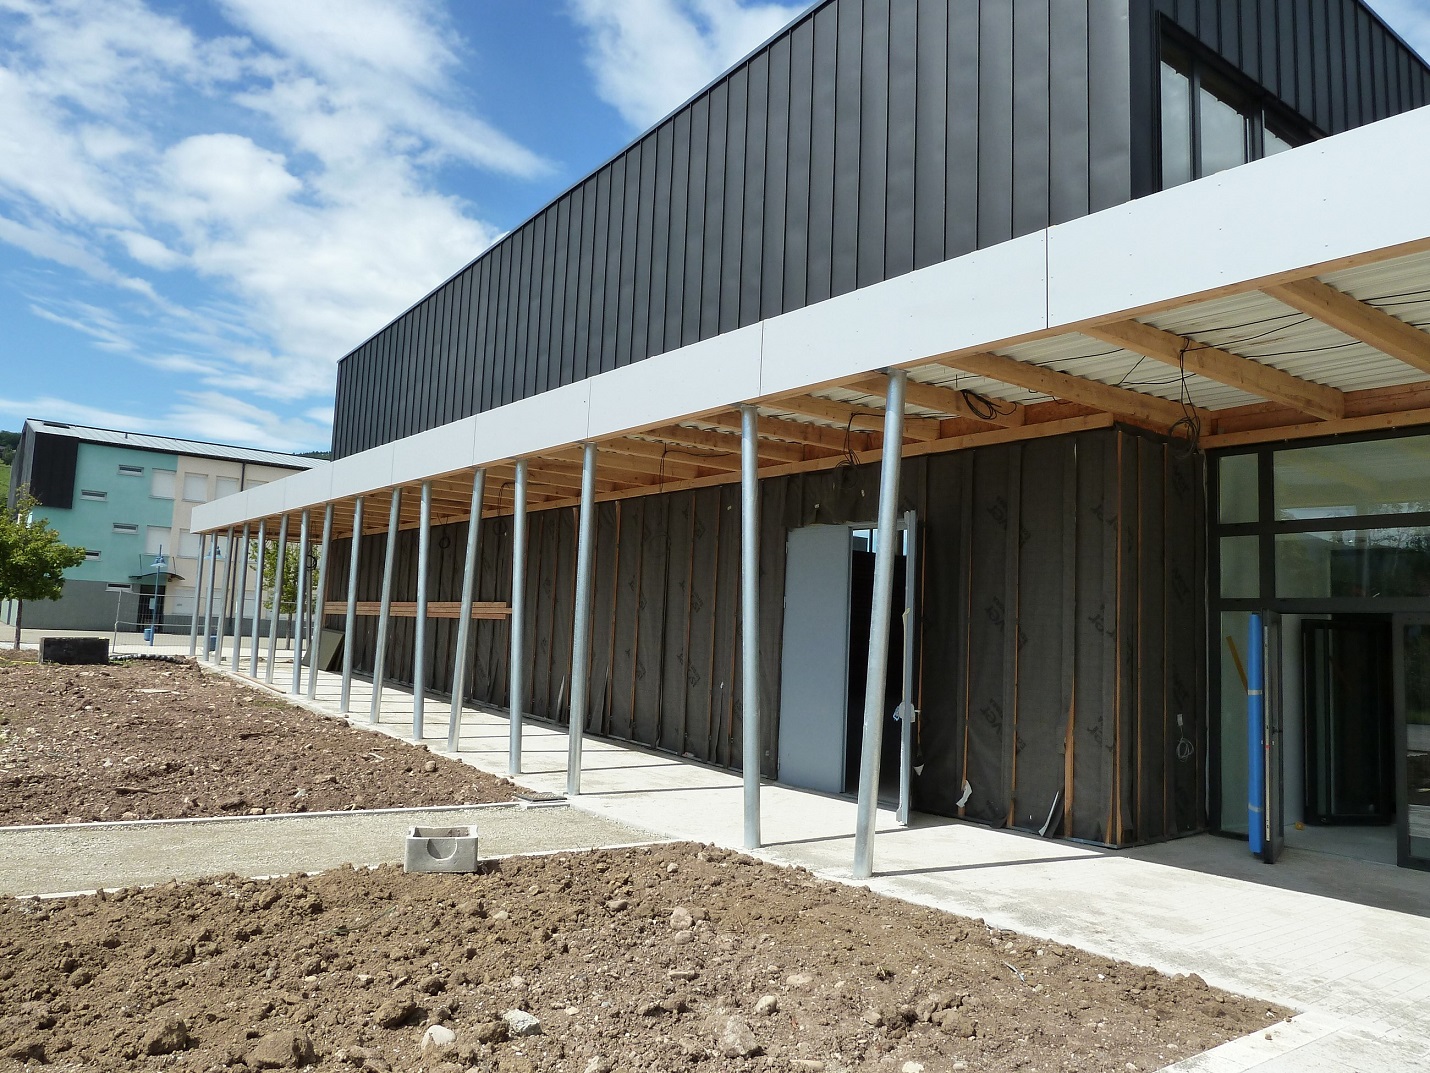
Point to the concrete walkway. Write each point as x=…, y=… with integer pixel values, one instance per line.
x=54, y=859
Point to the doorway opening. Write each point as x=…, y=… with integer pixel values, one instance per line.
x=1349, y=721
x=829, y=589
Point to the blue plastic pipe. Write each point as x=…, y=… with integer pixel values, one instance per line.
x=1255, y=749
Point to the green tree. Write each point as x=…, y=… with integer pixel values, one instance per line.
x=9, y=441
x=33, y=559
x=289, y=600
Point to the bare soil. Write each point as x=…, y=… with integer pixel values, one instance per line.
x=664, y=958
x=156, y=740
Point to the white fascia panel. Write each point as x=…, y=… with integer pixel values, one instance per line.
x=362, y=472
x=220, y=512
x=713, y=374
x=1360, y=191
x=307, y=489
x=996, y=293
x=438, y=450
x=529, y=426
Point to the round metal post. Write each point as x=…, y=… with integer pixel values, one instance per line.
x=581, y=629
x=216, y=658
x=280, y=562
x=379, y=659
x=209, y=601
x=198, y=592
x=318, y=603
x=464, y=623
x=750, y=619
x=241, y=585
x=258, y=596
x=884, y=557
x=300, y=600
x=350, y=619
x=419, y=632
x=517, y=631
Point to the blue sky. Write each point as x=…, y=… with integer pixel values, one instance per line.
x=205, y=203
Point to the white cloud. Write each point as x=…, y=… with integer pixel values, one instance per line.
x=649, y=56
x=1409, y=18
x=263, y=199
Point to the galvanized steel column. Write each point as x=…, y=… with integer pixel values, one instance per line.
x=379, y=658
x=216, y=657
x=581, y=630
x=884, y=556
x=280, y=563
x=750, y=619
x=241, y=585
x=198, y=592
x=318, y=600
x=464, y=624
x=350, y=620
x=517, y=631
x=209, y=603
x=258, y=595
x=419, y=632
x=300, y=609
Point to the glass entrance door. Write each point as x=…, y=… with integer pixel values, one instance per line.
x=1412, y=739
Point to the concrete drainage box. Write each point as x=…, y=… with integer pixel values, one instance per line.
x=441, y=849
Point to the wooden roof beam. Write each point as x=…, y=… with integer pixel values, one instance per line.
x=945, y=401
x=1119, y=401
x=793, y=435
x=856, y=418
x=1360, y=320
x=659, y=458
x=1224, y=367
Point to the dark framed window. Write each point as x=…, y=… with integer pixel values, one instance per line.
x=1213, y=119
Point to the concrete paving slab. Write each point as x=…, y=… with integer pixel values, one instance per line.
x=75, y=857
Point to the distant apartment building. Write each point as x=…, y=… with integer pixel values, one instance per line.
x=126, y=497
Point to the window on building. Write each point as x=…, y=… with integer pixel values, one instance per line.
x=188, y=544
x=126, y=528
x=116, y=586
x=131, y=471
x=161, y=484
x=1212, y=121
x=157, y=539
x=91, y=554
x=95, y=495
x=196, y=487
x=225, y=486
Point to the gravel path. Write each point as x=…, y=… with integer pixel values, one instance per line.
x=75, y=857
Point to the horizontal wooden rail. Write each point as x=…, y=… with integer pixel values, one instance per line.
x=408, y=608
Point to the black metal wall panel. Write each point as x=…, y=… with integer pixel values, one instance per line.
x=869, y=138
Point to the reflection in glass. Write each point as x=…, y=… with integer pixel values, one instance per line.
x=1340, y=480
x=1233, y=640
x=1176, y=127
x=1240, y=567
x=1273, y=143
x=1416, y=641
x=1353, y=563
x=1223, y=131
x=1237, y=477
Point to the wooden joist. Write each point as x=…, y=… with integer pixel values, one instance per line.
x=1373, y=327
x=945, y=401
x=483, y=609
x=1120, y=401
x=856, y=418
x=1222, y=366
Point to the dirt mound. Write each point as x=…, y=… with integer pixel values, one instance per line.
x=677, y=957
x=149, y=740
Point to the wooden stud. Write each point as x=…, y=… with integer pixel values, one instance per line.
x=1373, y=327
x=1222, y=366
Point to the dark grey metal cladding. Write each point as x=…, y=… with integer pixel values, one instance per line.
x=1332, y=62
x=869, y=138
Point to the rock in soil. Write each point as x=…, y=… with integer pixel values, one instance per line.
x=335, y=968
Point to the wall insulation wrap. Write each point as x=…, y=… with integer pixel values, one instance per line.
x=1061, y=602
